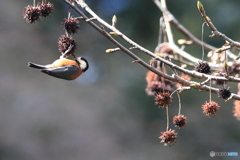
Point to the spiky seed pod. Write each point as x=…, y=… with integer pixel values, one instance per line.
x=168, y=137
x=238, y=89
x=71, y=25
x=210, y=108
x=64, y=43
x=45, y=8
x=215, y=57
x=155, y=87
x=31, y=13
x=179, y=121
x=183, y=76
x=164, y=49
x=234, y=68
x=224, y=93
x=151, y=76
x=236, y=109
x=163, y=99
x=203, y=67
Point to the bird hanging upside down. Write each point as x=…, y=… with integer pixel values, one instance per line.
x=64, y=68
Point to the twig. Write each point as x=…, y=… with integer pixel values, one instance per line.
x=202, y=88
x=179, y=103
x=181, y=28
x=204, y=82
x=171, y=19
x=167, y=118
x=215, y=32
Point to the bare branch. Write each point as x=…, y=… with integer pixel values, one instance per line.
x=215, y=32
x=174, y=77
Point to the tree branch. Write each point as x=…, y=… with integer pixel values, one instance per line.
x=174, y=77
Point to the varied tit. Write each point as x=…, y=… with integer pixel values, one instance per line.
x=64, y=68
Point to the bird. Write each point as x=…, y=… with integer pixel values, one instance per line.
x=63, y=68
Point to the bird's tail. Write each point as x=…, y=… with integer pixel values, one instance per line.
x=37, y=66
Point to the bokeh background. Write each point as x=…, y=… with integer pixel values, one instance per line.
x=105, y=114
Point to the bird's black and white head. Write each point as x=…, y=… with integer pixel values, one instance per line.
x=83, y=64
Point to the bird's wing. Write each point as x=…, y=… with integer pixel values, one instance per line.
x=66, y=72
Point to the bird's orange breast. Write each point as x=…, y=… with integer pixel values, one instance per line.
x=77, y=75
x=63, y=62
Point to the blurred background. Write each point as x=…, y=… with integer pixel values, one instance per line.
x=105, y=114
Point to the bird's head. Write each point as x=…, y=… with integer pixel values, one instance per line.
x=83, y=63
